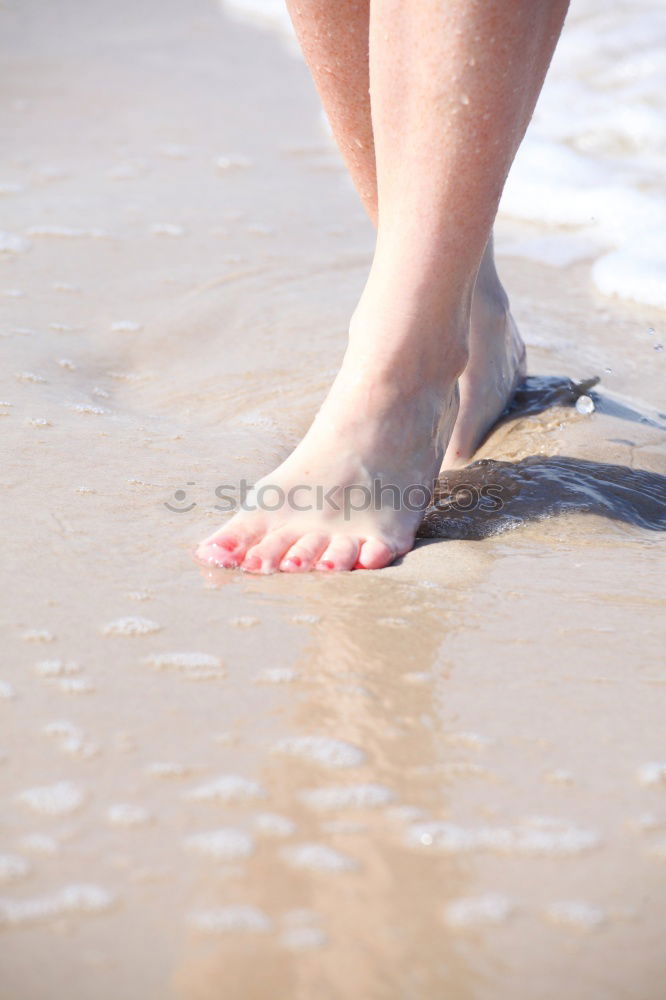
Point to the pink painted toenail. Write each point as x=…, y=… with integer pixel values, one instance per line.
x=325, y=564
x=252, y=563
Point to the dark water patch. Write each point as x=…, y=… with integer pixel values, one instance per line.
x=490, y=497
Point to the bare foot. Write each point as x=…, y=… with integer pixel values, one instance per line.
x=352, y=494
x=495, y=368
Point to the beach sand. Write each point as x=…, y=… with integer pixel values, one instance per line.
x=447, y=778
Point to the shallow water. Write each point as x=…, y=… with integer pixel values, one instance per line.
x=447, y=778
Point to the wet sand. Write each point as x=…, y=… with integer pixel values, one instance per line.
x=444, y=779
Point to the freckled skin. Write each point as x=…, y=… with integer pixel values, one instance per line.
x=428, y=101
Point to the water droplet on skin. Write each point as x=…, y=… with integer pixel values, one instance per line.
x=464, y=99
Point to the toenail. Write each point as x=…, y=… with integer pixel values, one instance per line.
x=252, y=563
x=325, y=564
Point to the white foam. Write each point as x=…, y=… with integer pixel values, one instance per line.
x=652, y=773
x=244, y=621
x=11, y=187
x=67, y=232
x=7, y=691
x=274, y=825
x=55, y=800
x=76, y=685
x=131, y=626
x=40, y=422
x=577, y=914
x=72, y=740
x=305, y=619
x=39, y=843
x=233, y=161
x=57, y=668
x=276, y=675
x=299, y=939
x=128, y=814
x=126, y=326
x=12, y=867
x=225, y=844
x=87, y=408
x=168, y=769
x=10, y=243
x=318, y=857
x=539, y=837
x=225, y=919
x=475, y=911
x=322, y=750
x=188, y=663
x=228, y=788
x=348, y=796
x=167, y=229
x=29, y=377
x=72, y=899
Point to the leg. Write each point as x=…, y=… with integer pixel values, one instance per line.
x=334, y=38
x=452, y=88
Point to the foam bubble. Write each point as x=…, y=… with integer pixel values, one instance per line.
x=167, y=769
x=39, y=422
x=274, y=825
x=10, y=243
x=67, y=232
x=12, y=867
x=57, y=668
x=318, y=857
x=276, y=675
x=348, y=796
x=128, y=814
x=29, y=377
x=76, y=685
x=189, y=663
x=303, y=938
x=224, y=919
x=538, y=837
x=39, y=843
x=322, y=750
x=7, y=690
x=228, y=788
x=653, y=773
x=244, y=621
x=224, y=844
x=131, y=626
x=56, y=800
x=72, y=899
x=305, y=619
x=126, y=326
x=71, y=738
x=11, y=187
x=167, y=229
x=233, y=161
x=87, y=408
x=475, y=911
x=576, y=914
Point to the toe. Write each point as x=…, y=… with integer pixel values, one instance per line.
x=266, y=555
x=374, y=554
x=304, y=553
x=340, y=554
x=226, y=547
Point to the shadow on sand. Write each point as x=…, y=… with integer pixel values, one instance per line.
x=489, y=497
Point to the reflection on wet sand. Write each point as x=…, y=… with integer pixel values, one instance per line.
x=369, y=682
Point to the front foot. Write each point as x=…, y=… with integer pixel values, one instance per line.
x=352, y=495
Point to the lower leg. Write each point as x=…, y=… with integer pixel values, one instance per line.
x=452, y=88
